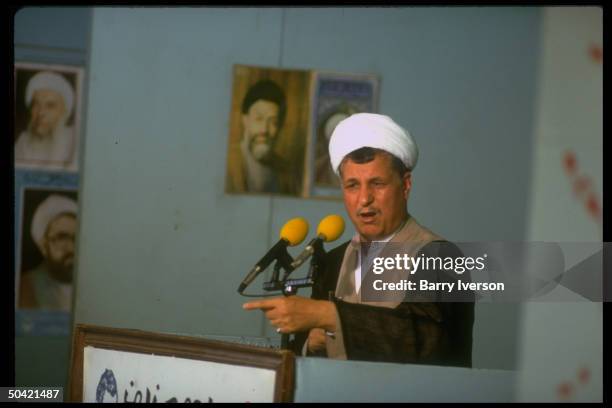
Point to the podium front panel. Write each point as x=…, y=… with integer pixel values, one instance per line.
x=123, y=365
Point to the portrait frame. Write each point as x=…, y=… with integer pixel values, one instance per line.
x=68, y=144
x=38, y=321
x=288, y=154
x=335, y=96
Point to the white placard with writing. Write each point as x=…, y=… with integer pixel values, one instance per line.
x=119, y=376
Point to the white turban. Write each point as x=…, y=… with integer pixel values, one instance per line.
x=53, y=82
x=371, y=130
x=46, y=212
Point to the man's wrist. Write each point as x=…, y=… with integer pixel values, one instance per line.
x=327, y=317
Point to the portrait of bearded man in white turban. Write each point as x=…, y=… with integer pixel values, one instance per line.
x=47, y=284
x=48, y=140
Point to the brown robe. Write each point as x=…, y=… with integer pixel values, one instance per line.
x=401, y=331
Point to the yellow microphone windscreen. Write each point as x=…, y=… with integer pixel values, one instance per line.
x=331, y=227
x=294, y=230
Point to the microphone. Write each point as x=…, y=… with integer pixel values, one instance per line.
x=293, y=233
x=330, y=228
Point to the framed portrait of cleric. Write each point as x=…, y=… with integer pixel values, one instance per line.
x=45, y=262
x=47, y=116
x=268, y=130
x=335, y=96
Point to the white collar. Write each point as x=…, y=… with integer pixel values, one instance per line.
x=357, y=238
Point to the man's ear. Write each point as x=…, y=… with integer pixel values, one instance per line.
x=407, y=184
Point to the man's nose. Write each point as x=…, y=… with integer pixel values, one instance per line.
x=365, y=196
x=68, y=244
x=260, y=128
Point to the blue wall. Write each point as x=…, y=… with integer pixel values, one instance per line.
x=53, y=35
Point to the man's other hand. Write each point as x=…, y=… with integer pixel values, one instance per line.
x=316, y=340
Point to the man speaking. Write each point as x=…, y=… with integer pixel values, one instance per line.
x=374, y=158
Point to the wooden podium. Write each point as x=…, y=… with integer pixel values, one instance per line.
x=123, y=365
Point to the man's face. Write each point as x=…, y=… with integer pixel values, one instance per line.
x=47, y=111
x=261, y=127
x=58, y=247
x=375, y=196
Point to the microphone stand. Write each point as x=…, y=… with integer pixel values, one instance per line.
x=290, y=287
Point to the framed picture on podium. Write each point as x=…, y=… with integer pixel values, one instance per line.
x=124, y=365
